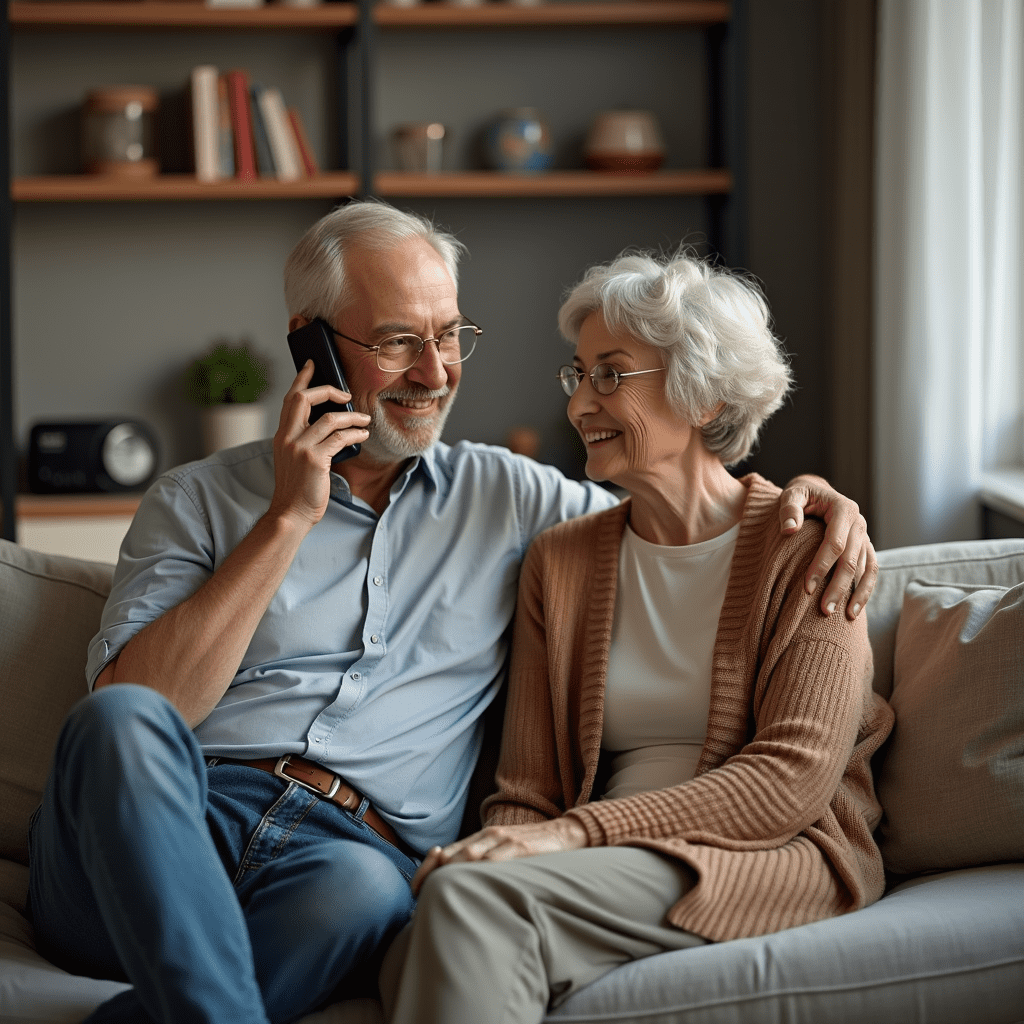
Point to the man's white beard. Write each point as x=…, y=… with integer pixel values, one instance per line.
x=388, y=443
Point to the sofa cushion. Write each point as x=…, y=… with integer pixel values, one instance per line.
x=951, y=777
x=948, y=949
x=996, y=562
x=50, y=609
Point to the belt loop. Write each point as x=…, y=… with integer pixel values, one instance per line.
x=361, y=810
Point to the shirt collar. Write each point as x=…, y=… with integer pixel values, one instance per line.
x=428, y=463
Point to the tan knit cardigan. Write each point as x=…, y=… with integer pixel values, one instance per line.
x=778, y=822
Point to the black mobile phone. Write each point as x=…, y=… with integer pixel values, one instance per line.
x=314, y=342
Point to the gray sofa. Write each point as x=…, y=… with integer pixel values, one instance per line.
x=946, y=943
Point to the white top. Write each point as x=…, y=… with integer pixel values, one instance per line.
x=659, y=669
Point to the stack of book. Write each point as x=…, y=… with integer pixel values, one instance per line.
x=244, y=130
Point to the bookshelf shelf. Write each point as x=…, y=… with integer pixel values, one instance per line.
x=75, y=506
x=194, y=15
x=698, y=13
x=72, y=188
x=554, y=184
x=459, y=184
x=182, y=14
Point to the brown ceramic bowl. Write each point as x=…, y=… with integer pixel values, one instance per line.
x=624, y=140
x=637, y=162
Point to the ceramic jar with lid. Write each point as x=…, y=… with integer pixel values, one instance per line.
x=118, y=131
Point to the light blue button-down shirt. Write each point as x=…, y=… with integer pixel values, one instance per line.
x=387, y=639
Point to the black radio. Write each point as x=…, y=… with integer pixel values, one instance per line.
x=91, y=456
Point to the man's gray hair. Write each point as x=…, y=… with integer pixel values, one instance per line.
x=315, y=282
x=714, y=327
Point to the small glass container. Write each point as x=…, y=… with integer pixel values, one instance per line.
x=420, y=147
x=118, y=131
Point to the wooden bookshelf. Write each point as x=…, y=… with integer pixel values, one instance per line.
x=555, y=184
x=176, y=187
x=363, y=30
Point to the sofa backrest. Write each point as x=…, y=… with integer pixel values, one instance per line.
x=50, y=609
x=999, y=562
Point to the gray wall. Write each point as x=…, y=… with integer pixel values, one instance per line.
x=787, y=234
x=113, y=300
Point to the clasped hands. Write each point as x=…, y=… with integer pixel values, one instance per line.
x=505, y=842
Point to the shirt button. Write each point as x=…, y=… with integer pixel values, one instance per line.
x=355, y=675
x=374, y=639
x=378, y=580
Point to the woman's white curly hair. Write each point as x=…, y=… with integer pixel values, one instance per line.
x=714, y=328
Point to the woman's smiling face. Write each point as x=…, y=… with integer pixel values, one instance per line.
x=634, y=431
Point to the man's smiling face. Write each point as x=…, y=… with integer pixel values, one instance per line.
x=404, y=289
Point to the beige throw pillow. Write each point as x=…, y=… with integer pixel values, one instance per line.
x=951, y=778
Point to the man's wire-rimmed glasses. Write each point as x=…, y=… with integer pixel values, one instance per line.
x=604, y=377
x=401, y=351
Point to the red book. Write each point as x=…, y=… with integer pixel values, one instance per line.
x=241, y=124
x=309, y=164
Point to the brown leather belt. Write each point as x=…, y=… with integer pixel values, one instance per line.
x=325, y=784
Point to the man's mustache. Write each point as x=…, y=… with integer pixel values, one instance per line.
x=414, y=394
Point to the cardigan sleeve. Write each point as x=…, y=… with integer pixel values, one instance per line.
x=529, y=788
x=808, y=703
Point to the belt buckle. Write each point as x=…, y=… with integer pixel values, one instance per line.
x=279, y=771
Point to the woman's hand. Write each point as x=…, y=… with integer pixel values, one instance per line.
x=506, y=842
x=846, y=544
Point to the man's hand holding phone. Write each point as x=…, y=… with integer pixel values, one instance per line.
x=306, y=444
x=315, y=340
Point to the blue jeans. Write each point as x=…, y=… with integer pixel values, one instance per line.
x=222, y=894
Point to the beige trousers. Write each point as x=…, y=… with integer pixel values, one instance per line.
x=498, y=943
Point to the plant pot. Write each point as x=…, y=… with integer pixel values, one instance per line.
x=225, y=426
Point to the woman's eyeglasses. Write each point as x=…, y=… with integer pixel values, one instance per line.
x=604, y=377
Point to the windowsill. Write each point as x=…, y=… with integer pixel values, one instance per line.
x=1003, y=490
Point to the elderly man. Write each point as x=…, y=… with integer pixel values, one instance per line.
x=290, y=673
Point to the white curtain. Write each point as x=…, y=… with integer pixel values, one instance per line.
x=948, y=235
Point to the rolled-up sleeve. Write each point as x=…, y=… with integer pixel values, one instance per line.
x=166, y=555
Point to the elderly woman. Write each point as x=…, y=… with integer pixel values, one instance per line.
x=687, y=744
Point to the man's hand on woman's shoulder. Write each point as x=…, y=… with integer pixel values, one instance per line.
x=846, y=545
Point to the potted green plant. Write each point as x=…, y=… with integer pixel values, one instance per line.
x=227, y=384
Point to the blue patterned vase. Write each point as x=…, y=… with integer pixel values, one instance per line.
x=519, y=141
